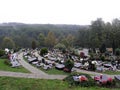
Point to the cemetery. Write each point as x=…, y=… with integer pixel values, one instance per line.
x=56, y=60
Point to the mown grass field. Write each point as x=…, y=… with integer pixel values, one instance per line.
x=5, y=67
x=10, y=83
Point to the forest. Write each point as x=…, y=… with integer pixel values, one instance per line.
x=98, y=34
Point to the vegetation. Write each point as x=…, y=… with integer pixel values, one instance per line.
x=24, y=34
x=2, y=52
x=5, y=65
x=97, y=35
x=117, y=52
x=88, y=83
x=33, y=44
x=43, y=51
x=8, y=43
x=50, y=40
x=41, y=40
x=60, y=46
x=69, y=65
x=9, y=83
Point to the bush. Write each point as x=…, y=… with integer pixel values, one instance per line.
x=43, y=51
x=7, y=62
x=117, y=52
x=2, y=53
x=109, y=84
x=88, y=83
x=4, y=57
x=91, y=55
x=69, y=64
x=102, y=58
x=63, y=50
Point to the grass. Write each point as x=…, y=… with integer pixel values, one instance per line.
x=54, y=71
x=10, y=83
x=112, y=72
x=5, y=67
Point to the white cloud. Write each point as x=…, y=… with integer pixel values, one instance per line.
x=58, y=11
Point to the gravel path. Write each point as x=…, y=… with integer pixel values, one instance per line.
x=28, y=66
x=30, y=75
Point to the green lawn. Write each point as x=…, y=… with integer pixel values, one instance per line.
x=5, y=67
x=9, y=83
x=112, y=72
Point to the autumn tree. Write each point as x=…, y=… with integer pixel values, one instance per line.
x=50, y=40
x=68, y=41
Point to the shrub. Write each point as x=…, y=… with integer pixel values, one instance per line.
x=102, y=58
x=69, y=64
x=2, y=53
x=88, y=83
x=109, y=84
x=43, y=51
x=7, y=62
x=4, y=57
x=117, y=52
x=63, y=50
x=91, y=55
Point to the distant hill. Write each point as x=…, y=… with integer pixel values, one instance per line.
x=25, y=33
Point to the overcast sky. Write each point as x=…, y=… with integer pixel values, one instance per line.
x=58, y=11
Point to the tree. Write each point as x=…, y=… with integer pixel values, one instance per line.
x=43, y=51
x=117, y=52
x=68, y=41
x=50, y=40
x=97, y=29
x=2, y=52
x=60, y=46
x=8, y=43
x=102, y=48
x=41, y=39
x=33, y=44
